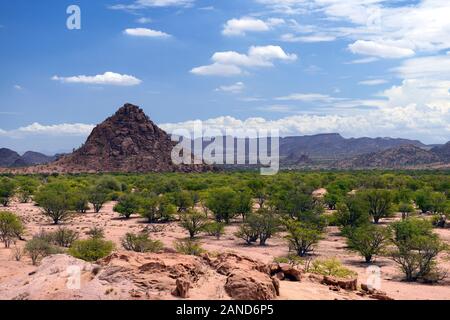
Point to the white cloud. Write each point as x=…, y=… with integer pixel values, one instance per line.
x=432, y=67
x=231, y=62
x=145, y=32
x=238, y=87
x=239, y=27
x=217, y=69
x=382, y=50
x=108, y=78
x=363, y=60
x=142, y=4
x=65, y=129
x=308, y=97
x=18, y=87
x=372, y=82
x=289, y=37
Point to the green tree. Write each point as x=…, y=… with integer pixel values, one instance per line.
x=405, y=209
x=157, y=208
x=215, y=229
x=244, y=203
x=222, y=202
x=379, y=203
x=368, y=241
x=11, y=228
x=416, y=249
x=193, y=222
x=258, y=189
x=183, y=200
x=98, y=196
x=7, y=190
x=302, y=237
x=55, y=200
x=128, y=204
x=264, y=224
x=351, y=213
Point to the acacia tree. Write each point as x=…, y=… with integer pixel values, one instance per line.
x=7, y=189
x=405, y=209
x=10, y=228
x=128, y=204
x=55, y=199
x=368, y=240
x=193, y=222
x=98, y=196
x=258, y=188
x=222, y=202
x=243, y=203
x=302, y=237
x=156, y=208
x=379, y=203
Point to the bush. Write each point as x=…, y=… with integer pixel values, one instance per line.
x=55, y=200
x=351, y=213
x=64, y=237
x=331, y=267
x=215, y=229
x=98, y=196
x=193, y=222
x=368, y=241
x=405, y=209
x=247, y=233
x=416, y=249
x=141, y=243
x=128, y=204
x=96, y=233
x=38, y=248
x=157, y=209
x=189, y=247
x=302, y=237
x=80, y=202
x=264, y=224
x=11, y=228
x=91, y=249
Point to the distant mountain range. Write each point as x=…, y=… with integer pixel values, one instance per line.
x=130, y=142
x=11, y=159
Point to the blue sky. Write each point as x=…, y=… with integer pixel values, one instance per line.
x=360, y=68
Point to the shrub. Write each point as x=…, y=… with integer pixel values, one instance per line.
x=64, y=237
x=91, y=249
x=247, y=233
x=183, y=200
x=193, y=222
x=80, y=201
x=264, y=224
x=98, y=196
x=96, y=233
x=215, y=229
x=127, y=205
x=38, y=248
x=157, y=209
x=55, y=200
x=302, y=237
x=189, y=247
x=331, y=267
x=368, y=240
x=11, y=228
x=141, y=243
x=416, y=249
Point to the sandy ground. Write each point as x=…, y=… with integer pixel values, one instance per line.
x=332, y=245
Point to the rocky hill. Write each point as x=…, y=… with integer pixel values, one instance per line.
x=11, y=159
x=443, y=152
x=400, y=157
x=128, y=141
x=8, y=157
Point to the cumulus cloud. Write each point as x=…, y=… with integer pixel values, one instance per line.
x=145, y=32
x=108, y=78
x=377, y=49
x=64, y=129
x=239, y=27
x=372, y=82
x=238, y=87
x=231, y=62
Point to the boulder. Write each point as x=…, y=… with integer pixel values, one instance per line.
x=251, y=285
x=182, y=288
x=346, y=284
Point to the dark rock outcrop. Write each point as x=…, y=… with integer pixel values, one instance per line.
x=126, y=142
